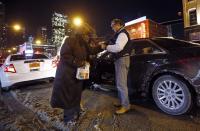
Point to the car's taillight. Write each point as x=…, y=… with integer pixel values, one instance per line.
x=10, y=68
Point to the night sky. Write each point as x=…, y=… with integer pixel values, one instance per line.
x=98, y=13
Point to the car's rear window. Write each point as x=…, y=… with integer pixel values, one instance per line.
x=173, y=43
x=23, y=57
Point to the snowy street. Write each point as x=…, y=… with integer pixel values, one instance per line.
x=27, y=108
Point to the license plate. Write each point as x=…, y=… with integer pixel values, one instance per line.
x=31, y=70
x=34, y=65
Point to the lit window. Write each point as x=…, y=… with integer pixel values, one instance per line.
x=193, y=17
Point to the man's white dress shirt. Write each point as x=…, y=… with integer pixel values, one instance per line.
x=120, y=43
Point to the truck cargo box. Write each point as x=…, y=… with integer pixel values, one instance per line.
x=146, y=29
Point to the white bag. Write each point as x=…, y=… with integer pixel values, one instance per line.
x=83, y=72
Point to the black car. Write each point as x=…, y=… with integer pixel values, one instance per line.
x=164, y=68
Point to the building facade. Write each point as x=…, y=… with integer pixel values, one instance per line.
x=59, y=22
x=191, y=13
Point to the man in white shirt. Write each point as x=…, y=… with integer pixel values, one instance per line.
x=118, y=47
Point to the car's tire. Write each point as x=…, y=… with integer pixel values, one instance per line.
x=51, y=80
x=172, y=95
x=5, y=88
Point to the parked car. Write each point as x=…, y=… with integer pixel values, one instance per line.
x=20, y=68
x=164, y=68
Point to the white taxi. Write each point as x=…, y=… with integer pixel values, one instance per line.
x=20, y=68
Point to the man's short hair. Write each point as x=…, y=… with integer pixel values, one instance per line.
x=118, y=21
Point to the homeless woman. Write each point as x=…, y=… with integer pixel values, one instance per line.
x=67, y=88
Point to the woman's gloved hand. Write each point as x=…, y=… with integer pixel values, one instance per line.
x=103, y=45
x=78, y=63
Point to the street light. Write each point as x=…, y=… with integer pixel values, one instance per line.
x=77, y=21
x=9, y=51
x=14, y=48
x=17, y=27
x=38, y=42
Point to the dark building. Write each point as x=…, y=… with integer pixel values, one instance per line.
x=42, y=35
x=2, y=26
x=9, y=37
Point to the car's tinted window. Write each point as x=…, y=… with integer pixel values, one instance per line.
x=39, y=56
x=17, y=57
x=172, y=43
x=22, y=57
x=144, y=47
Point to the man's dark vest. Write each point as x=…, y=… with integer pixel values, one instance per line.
x=126, y=49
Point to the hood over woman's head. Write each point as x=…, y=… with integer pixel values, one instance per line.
x=84, y=32
x=85, y=29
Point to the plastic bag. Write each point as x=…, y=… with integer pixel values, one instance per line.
x=83, y=72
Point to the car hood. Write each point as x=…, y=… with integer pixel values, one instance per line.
x=186, y=52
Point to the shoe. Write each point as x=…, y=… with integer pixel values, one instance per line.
x=122, y=110
x=117, y=105
x=71, y=123
x=82, y=112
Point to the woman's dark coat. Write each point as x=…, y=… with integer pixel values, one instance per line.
x=67, y=89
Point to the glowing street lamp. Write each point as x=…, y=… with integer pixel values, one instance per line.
x=9, y=51
x=17, y=27
x=38, y=42
x=14, y=48
x=77, y=21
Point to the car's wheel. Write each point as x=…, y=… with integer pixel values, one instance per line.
x=51, y=80
x=171, y=95
x=5, y=88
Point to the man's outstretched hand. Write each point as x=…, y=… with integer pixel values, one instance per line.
x=103, y=45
